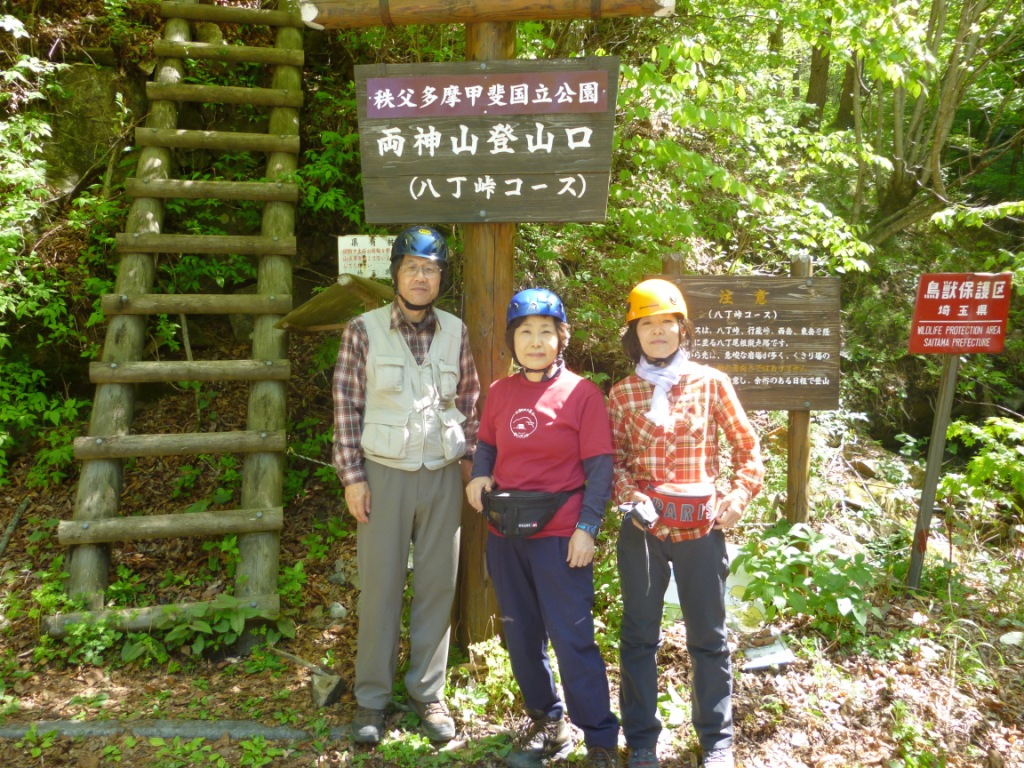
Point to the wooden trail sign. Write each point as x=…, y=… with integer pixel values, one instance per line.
x=487, y=141
x=777, y=337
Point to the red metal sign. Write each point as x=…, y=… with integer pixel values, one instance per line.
x=960, y=313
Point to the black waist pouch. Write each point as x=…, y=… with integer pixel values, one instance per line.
x=522, y=513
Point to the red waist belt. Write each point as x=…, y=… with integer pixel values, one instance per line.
x=683, y=505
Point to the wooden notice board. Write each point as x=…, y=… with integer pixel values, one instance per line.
x=778, y=338
x=487, y=141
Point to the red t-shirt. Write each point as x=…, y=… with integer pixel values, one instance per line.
x=543, y=432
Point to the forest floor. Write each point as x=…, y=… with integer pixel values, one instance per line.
x=913, y=707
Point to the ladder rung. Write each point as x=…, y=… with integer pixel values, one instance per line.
x=196, y=304
x=134, y=242
x=223, y=94
x=229, y=15
x=186, y=444
x=154, y=616
x=264, y=191
x=222, y=140
x=189, y=370
x=149, y=527
x=237, y=53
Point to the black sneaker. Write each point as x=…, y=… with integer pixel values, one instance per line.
x=437, y=723
x=544, y=739
x=602, y=757
x=368, y=725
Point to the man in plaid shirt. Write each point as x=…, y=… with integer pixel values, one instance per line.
x=666, y=420
x=405, y=392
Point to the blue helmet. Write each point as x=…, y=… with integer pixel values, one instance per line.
x=536, y=301
x=425, y=242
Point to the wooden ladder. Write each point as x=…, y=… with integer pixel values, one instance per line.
x=96, y=522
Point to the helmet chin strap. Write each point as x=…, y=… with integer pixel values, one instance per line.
x=414, y=307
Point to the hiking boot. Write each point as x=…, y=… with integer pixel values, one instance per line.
x=368, y=725
x=642, y=758
x=602, y=757
x=544, y=739
x=436, y=722
x=719, y=758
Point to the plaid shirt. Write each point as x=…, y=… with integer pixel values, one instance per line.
x=350, y=388
x=646, y=454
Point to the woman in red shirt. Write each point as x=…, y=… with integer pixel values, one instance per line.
x=544, y=433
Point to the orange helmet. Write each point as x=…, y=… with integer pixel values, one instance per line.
x=654, y=297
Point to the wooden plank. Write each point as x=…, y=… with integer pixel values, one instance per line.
x=150, y=527
x=346, y=14
x=223, y=94
x=189, y=370
x=196, y=304
x=260, y=191
x=215, y=140
x=251, y=244
x=231, y=53
x=229, y=14
x=185, y=444
x=266, y=606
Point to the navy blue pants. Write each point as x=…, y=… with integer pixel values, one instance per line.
x=700, y=567
x=541, y=598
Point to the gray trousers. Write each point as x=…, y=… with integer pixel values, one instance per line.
x=423, y=509
x=700, y=567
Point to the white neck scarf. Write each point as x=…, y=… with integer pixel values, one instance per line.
x=663, y=379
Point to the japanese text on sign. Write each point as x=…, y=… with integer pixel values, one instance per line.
x=482, y=93
x=960, y=313
x=777, y=338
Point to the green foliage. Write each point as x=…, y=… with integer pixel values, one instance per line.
x=179, y=753
x=992, y=483
x=37, y=744
x=796, y=571
x=212, y=626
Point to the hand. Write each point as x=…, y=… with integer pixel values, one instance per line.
x=475, y=491
x=581, y=549
x=728, y=511
x=639, y=498
x=357, y=497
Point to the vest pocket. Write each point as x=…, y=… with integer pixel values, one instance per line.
x=389, y=373
x=447, y=382
x=385, y=434
x=453, y=439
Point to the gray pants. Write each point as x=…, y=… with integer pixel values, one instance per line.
x=424, y=509
x=700, y=567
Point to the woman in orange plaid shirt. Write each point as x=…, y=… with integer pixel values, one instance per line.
x=666, y=419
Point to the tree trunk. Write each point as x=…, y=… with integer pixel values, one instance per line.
x=817, y=88
x=844, y=117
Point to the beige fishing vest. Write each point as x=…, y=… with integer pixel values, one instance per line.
x=411, y=419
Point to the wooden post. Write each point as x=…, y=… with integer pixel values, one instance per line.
x=798, y=472
x=488, y=269
x=101, y=481
x=263, y=473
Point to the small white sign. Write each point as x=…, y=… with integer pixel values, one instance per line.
x=365, y=255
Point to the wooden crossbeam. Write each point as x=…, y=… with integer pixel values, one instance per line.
x=342, y=14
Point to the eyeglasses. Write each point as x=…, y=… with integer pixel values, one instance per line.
x=429, y=271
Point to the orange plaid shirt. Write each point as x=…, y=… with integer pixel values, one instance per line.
x=703, y=402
